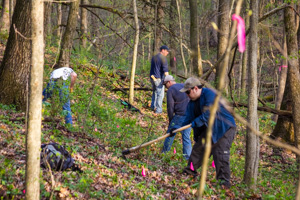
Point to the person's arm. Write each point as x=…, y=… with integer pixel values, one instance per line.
x=170, y=105
x=164, y=63
x=73, y=79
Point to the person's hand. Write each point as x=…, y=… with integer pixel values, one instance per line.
x=172, y=132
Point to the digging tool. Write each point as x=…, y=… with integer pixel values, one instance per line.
x=132, y=149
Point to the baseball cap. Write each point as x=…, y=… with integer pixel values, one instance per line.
x=164, y=47
x=190, y=83
x=168, y=78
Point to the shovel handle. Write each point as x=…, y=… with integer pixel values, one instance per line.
x=128, y=151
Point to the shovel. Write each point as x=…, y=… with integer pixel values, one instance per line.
x=132, y=149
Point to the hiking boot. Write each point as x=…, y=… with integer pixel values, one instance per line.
x=190, y=172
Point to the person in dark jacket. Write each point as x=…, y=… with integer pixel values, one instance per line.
x=159, y=69
x=224, y=129
x=176, y=106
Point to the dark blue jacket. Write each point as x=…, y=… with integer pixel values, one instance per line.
x=224, y=120
x=159, y=65
x=176, y=101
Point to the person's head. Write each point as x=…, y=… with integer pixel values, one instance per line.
x=164, y=50
x=192, y=87
x=169, y=81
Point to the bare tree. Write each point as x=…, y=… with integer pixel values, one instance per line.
x=15, y=65
x=67, y=41
x=33, y=138
x=134, y=57
x=252, y=140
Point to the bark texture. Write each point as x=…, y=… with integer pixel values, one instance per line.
x=294, y=75
x=224, y=22
x=5, y=21
x=160, y=5
x=33, y=139
x=134, y=57
x=83, y=24
x=252, y=140
x=14, y=69
x=173, y=30
x=194, y=40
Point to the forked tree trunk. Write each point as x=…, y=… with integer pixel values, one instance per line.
x=67, y=41
x=134, y=57
x=33, y=139
x=252, y=140
x=14, y=69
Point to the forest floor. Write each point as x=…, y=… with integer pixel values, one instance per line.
x=103, y=128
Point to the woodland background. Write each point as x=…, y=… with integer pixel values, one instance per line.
x=109, y=44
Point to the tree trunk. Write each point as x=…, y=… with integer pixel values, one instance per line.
x=67, y=41
x=5, y=22
x=252, y=140
x=14, y=69
x=59, y=19
x=245, y=57
x=33, y=139
x=83, y=24
x=294, y=76
x=160, y=5
x=224, y=22
x=47, y=19
x=134, y=57
x=194, y=40
x=180, y=38
x=281, y=82
x=173, y=30
x=213, y=39
x=11, y=10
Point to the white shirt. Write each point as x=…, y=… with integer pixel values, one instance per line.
x=63, y=72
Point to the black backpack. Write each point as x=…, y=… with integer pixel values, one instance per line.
x=55, y=156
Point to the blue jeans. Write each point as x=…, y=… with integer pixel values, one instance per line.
x=63, y=96
x=157, y=94
x=186, y=141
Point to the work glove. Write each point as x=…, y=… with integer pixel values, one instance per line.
x=171, y=132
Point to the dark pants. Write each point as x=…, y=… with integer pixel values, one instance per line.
x=220, y=152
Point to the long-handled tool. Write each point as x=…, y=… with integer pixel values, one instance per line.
x=132, y=149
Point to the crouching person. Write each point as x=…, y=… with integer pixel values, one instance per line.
x=224, y=129
x=62, y=81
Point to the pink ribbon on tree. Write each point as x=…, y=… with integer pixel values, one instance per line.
x=174, y=150
x=240, y=32
x=282, y=66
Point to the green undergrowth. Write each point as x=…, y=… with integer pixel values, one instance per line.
x=103, y=128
